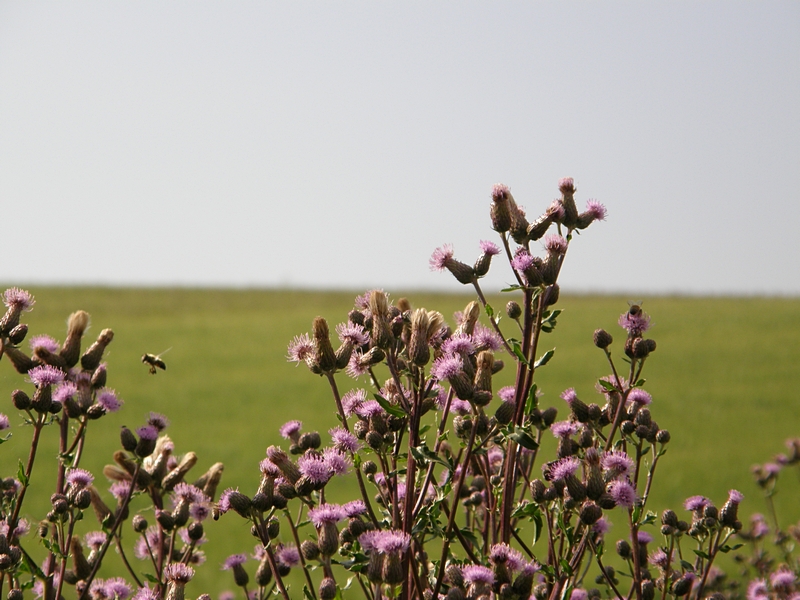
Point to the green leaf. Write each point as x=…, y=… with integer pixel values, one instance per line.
x=565, y=568
x=544, y=359
x=21, y=474
x=513, y=288
x=489, y=310
x=149, y=577
x=600, y=550
x=533, y=401
x=687, y=566
x=701, y=554
x=389, y=407
x=607, y=385
x=640, y=383
x=649, y=517
x=471, y=537
x=423, y=454
x=524, y=439
x=725, y=548
x=307, y=593
x=516, y=348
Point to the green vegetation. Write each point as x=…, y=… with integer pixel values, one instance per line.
x=724, y=381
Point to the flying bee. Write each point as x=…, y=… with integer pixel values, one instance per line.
x=155, y=360
x=635, y=308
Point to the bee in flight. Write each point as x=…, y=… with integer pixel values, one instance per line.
x=155, y=360
x=635, y=308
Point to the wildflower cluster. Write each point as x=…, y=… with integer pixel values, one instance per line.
x=451, y=498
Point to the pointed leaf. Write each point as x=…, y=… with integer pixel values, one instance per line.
x=524, y=439
x=607, y=385
x=489, y=310
x=544, y=359
x=389, y=407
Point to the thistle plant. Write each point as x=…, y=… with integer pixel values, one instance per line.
x=451, y=497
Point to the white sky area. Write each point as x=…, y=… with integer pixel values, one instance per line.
x=337, y=144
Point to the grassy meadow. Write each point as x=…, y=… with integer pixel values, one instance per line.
x=724, y=380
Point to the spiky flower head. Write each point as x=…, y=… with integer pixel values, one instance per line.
x=326, y=513
x=18, y=299
x=79, y=478
x=489, y=248
x=301, y=349
x=344, y=440
x=108, y=399
x=623, y=492
x=478, y=575
x=596, y=210
x=563, y=429
x=696, y=503
x=46, y=342
x=617, y=463
x=555, y=244
x=353, y=333
x=563, y=468
x=179, y=573
x=46, y=375
x=447, y=366
x=635, y=324
x=291, y=429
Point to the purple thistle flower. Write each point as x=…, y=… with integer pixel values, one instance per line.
x=288, y=555
x=460, y=407
x=757, y=590
x=354, y=367
x=563, y=468
x=45, y=375
x=569, y=395
x=368, y=540
x=291, y=429
x=79, y=478
x=505, y=554
x=623, y=492
x=269, y=468
x=46, y=342
x=108, y=399
x=500, y=191
x=224, y=504
x=179, y=573
x=301, y=349
x=4, y=423
x=189, y=493
x=64, y=391
x=597, y=210
x=440, y=257
x=478, y=575
x=636, y=324
x=446, y=366
x=315, y=468
x=485, y=338
x=146, y=593
x=640, y=397
x=344, y=440
x=354, y=508
x=352, y=332
x=489, y=248
x=522, y=260
x=735, y=496
x=658, y=558
x=566, y=183
x=352, y=400
x=579, y=594
x=617, y=462
x=150, y=537
x=158, y=421
x=147, y=432
x=460, y=343
x=643, y=537
x=696, y=503
x=782, y=580
x=369, y=408
x=602, y=526
x=199, y=511
x=118, y=588
x=94, y=540
x=119, y=489
x=234, y=560
x=17, y=298
x=393, y=541
x=336, y=461
x=555, y=244
x=507, y=393
x=759, y=525
x=326, y=513
x=564, y=429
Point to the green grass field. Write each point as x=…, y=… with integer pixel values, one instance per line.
x=724, y=379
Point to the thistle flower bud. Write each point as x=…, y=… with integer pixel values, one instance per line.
x=590, y=513
x=139, y=523
x=567, y=188
x=648, y=590
x=91, y=358
x=282, y=461
x=21, y=400
x=683, y=586
x=369, y=467
x=471, y=314
x=327, y=589
x=128, y=439
x=22, y=362
x=602, y=339
x=505, y=412
x=17, y=335
x=500, y=211
x=418, y=349
x=551, y=294
x=513, y=310
x=519, y=225
x=209, y=481
x=483, y=374
x=165, y=520
x=462, y=385
x=76, y=326
x=640, y=348
x=325, y=357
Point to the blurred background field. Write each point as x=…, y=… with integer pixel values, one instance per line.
x=724, y=381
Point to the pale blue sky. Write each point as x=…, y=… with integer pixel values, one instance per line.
x=337, y=144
